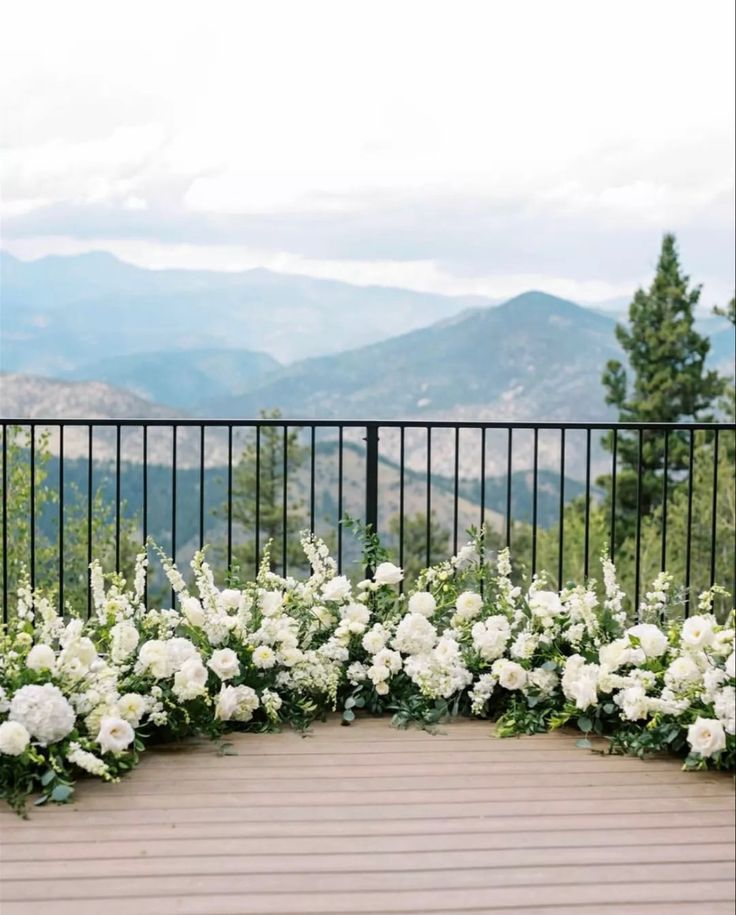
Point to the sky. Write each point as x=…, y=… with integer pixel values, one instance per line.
x=460, y=147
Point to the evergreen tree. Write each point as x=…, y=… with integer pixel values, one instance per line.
x=667, y=381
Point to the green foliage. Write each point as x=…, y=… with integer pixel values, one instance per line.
x=415, y=542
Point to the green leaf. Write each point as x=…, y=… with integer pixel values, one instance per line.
x=549, y=665
x=360, y=702
x=348, y=715
x=61, y=793
x=583, y=743
x=349, y=702
x=531, y=701
x=48, y=777
x=609, y=708
x=585, y=724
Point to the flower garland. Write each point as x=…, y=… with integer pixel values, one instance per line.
x=88, y=695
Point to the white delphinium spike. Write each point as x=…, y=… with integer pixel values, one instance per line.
x=614, y=594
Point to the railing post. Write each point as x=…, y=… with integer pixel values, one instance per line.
x=371, y=477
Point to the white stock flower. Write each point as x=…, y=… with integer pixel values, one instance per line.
x=422, y=602
x=115, y=734
x=14, y=738
x=224, y=663
x=387, y=574
x=336, y=589
x=652, y=641
x=190, y=681
x=124, y=638
x=697, y=631
x=236, y=703
x=706, y=736
x=43, y=711
x=41, y=657
x=193, y=611
x=468, y=605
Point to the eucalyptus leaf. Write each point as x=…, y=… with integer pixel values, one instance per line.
x=61, y=793
x=585, y=724
x=583, y=743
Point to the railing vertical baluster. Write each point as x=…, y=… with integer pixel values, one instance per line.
x=402, y=459
x=144, y=508
x=117, y=498
x=614, y=472
x=61, y=519
x=173, y=504
x=429, y=497
x=258, y=495
x=457, y=490
x=714, y=511
x=561, y=543
x=312, y=447
x=201, y=485
x=586, y=546
x=285, y=505
x=32, y=494
x=665, y=475
x=639, y=468
x=229, y=496
x=509, y=457
x=90, y=483
x=340, y=443
x=5, y=523
x=483, y=476
x=371, y=481
x=535, y=488
x=689, y=543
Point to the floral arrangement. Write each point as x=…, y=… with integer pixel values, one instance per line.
x=86, y=695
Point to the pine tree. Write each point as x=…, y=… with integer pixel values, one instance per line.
x=667, y=381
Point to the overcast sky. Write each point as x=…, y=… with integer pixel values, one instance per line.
x=463, y=147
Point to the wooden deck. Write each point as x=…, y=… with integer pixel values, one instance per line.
x=370, y=819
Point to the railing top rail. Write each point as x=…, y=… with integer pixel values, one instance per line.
x=280, y=422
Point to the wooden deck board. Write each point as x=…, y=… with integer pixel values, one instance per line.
x=374, y=820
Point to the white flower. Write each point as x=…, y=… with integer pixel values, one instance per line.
x=43, y=711
x=115, y=735
x=193, y=611
x=415, y=634
x=580, y=682
x=224, y=663
x=124, y=640
x=179, y=651
x=153, y=658
x=264, y=657
x=375, y=639
x=388, y=574
x=723, y=642
x=510, y=675
x=682, y=670
x=731, y=665
x=230, y=599
x=190, y=680
x=545, y=681
x=524, y=646
x=725, y=707
x=356, y=673
x=41, y=657
x=490, y=637
x=468, y=605
x=131, y=707
x=236, y=703
x=14, y=738
x=652, y=641
x=618, y=653
x=633, y=703
x=422, y=602
x=270, y=602
x=706, y=737
x=87, y=761
x=545, y=604
x=336, y=589
x=697, y=632
x=79, y=653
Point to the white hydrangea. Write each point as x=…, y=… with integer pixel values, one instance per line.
x=41, y=657
x=414, y=634
x=44, y=712
x=14, y=738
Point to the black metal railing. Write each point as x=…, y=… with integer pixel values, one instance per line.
x=556, y=493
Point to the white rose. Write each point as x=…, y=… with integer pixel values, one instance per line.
x=190, y=680
x=375, y=639
x=180, y=650
x=731, y=665
x=125, y=640
x=154, y=658
x=264, y=657
x=193, y=611
x=388, y=574
x=14, y=738
x=619, y=652
x=652, y=640
x=236, y=703
x=706, y=737
x=43, y=711
x=697, y=632
x=224, y=663
x=337, y=588
x=682, y=670
x=41, y=657
x=422, y=602
x=131, y=707
x=510, y=675
x=468, y=605
x=230, y=599
x=270, y=602
x=115, y=735
x=545, y=604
